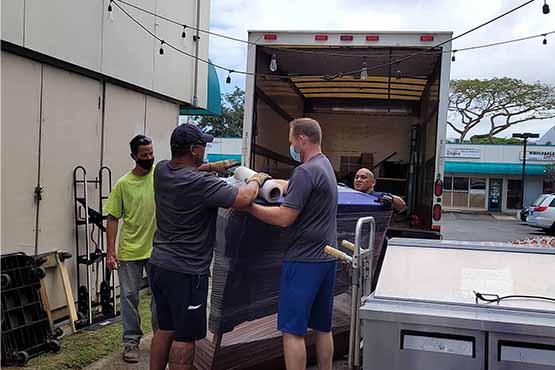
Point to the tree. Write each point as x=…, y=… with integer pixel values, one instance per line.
x=504, y=101
x=498, y=140
x=230, y=123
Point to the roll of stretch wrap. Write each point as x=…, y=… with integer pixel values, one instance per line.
x=270, y=191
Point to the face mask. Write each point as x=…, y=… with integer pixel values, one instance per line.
x=296, y=156
x=146, y=164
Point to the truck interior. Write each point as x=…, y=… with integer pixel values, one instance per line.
x=386, y=122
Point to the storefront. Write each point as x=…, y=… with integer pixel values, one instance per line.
x=489, y=177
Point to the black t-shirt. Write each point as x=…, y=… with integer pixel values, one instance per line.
x=187, y=204
x=313, y=190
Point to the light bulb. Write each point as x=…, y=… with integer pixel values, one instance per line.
x=364, y=72
x=110, y=12
x=545, y=7
x=453, y=57
x=398, y=74
x=161, y=47
x=183, y=34
x=228, y=79
x=273, y=63
x=544, y=39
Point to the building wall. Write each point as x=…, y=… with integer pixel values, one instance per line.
x=81, y=32
x=53, y=121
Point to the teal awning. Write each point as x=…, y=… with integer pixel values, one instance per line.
x=214, y=106
x=221, y=157
x=494, y=168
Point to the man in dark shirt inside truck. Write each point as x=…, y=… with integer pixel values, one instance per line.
x=308, y=274
x=365, y=182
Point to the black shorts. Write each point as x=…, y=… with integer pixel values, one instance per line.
x=180, y=302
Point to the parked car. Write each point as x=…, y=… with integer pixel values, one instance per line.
x=543, y=214
x=524, y=212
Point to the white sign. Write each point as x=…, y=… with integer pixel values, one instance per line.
x=462, y=152
x=539, y=155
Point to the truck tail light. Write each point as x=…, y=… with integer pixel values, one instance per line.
x=426, y=38
x=372, y=38
x=436, y=214
x=438, y=188
x=270, y=37
x=436, y=228
x=346, y=37
x=540, y=209
x=321, y=37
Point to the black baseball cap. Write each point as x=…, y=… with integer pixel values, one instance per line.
x=187, y=134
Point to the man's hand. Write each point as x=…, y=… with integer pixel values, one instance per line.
x=222, y=166
x=260, y=178
x=111, y=261
x=387, y=201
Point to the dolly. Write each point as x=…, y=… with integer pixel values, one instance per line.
x=361, y=282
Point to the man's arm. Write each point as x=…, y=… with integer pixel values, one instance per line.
x=246, y=195
x=279, y=216
x=398, y=203
x=111, y=234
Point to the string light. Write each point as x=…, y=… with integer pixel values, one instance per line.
x=544, y=39
x=453, y=57
x=273, y=63
x=183, y=34
x=398, y=73
x=110, y=12
x=330, y=76
x=545, y=7
x=161, y=47
x=364, y=71
x=228, y=79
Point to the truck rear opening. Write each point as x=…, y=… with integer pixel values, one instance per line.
x=391, y=121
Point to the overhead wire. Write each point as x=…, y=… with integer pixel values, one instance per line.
x=430, y=50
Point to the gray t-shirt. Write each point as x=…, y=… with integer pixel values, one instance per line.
x=313, y=190
x=187, y=204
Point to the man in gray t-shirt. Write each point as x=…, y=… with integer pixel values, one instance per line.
x=308, y=274
x=187, y=202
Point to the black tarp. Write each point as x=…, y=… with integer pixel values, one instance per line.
x=249, y=254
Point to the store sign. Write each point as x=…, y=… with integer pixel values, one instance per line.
x=462, y=153
x=539, y=155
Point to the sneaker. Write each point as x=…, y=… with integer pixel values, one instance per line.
x=131, y=354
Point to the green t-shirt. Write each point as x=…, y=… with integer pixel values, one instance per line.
x=133, y=200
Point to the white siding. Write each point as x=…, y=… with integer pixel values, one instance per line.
x=21, y=79
x=66, y=29
x=128, y=51
x=12, y=20
x=124, y=118
x=81, y=33
x=161, y=119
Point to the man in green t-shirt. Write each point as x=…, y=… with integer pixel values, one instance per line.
x=132, y=200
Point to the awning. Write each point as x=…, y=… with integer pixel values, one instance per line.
x=494, y=168
x=214, y=107
x=221, y=157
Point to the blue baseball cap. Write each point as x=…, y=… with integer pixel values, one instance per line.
x=187, y=134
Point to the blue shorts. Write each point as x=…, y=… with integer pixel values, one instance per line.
x=306, y=296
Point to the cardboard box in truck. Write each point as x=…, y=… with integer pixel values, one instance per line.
x=390, y=117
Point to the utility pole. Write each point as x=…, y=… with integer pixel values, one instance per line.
x=524, y=136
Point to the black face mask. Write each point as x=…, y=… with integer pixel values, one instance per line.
x=146, y=164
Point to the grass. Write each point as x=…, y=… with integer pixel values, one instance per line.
x=86, y=347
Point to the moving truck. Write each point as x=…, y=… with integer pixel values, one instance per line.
x=378, y=108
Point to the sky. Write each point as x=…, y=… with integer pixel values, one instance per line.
x=528, y=60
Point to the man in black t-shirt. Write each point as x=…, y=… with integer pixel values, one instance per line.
x=308, y=274
x=187, y=202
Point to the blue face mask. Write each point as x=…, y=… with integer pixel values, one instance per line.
x=296, y=156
